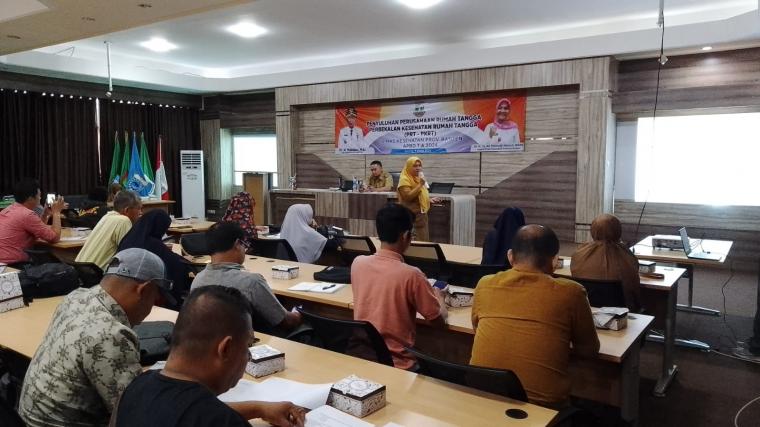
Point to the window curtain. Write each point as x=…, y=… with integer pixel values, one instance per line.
x=179, y=129
x=50, y=138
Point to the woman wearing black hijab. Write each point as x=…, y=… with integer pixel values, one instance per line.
x=147, y=233
x=499, y=240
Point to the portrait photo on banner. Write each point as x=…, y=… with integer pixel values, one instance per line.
x=463, y=124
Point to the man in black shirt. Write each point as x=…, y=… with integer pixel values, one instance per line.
x=209, y=352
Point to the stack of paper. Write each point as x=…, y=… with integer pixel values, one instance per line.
x=279, y=390
x=320, y=287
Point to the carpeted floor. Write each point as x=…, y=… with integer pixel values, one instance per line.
x=709, y=388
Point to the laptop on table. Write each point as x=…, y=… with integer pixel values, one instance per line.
x=687, y=248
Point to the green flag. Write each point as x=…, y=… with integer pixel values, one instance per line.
x=113, y=176
x=145, y=159
x=125, y=161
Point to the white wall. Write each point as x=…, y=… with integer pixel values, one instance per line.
x=625, y=161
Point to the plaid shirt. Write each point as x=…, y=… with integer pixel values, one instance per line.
x=87, y=358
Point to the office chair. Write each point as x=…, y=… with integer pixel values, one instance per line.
x=89, y=273
x=274, y=248
x=396, y=177
x=9, y=415
x=351, y=337
x=603, y=293
x=41, y=256
x=498, y=381
x=429, y=258
x=353, y=246
x=194, y=244
x=468, y=275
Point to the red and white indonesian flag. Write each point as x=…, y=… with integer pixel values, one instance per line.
x=161, y=186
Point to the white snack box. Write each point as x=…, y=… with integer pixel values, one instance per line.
x=11, y=296
x=612, y=318
x=457, y=296
x=357, y=396
x=285, y=272
x=266, y=361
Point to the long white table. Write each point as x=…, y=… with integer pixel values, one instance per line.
x=413, y=400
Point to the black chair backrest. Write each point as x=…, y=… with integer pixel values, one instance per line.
x=41, y=256
x=274, y=248
x=352, y=337
x=9, y=416
x=469, y=275
x=441, y=187
x=498, y=381
x=89, y=273
x=194, y=244
x=353, y=246
x=429, y=258
x=603, y=293
x=396, y=177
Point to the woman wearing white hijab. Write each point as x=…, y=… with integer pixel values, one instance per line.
x=296, y=228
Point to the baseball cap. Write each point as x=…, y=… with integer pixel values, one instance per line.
x=143, y=266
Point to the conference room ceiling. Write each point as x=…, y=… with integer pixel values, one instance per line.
x=308, y=41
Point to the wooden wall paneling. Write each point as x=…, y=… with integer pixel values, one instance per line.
x=677, y=215
x=701, y=81
x=362, y=227
x=285, y=158
x=227, y=165
x=210, y=144
x=313, y=172
x=331, y=204
x=365, y=206
x=592, y=77
x=280, y=202
x=545, y=191
x=594, y=110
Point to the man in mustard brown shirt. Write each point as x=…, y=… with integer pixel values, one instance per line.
x=378, y=180
x=526, y=320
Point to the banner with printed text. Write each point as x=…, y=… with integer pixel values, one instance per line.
x=467, y=124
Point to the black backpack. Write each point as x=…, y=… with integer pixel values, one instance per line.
x=48, y=280
x=155, y=340
x=334, y=275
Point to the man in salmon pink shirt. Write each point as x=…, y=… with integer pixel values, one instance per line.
x=389, y=293
x=20, y=226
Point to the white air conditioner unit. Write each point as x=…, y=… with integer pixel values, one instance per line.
x=193, y=189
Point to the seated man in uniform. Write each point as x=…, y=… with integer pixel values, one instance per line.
x=525, y=320
x=378, y=180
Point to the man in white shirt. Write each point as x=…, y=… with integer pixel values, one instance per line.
x=352, y=136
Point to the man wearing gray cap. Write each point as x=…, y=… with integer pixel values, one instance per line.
x=90, y=353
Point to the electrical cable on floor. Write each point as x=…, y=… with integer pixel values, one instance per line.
x=723, y=291
x=731, y=356
x=736, y=418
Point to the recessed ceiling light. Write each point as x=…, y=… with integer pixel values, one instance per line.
x=419, y=4
x=247, y=30
x=158, y=44
x=706, y=48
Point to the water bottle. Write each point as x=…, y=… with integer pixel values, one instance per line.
x=355, y=185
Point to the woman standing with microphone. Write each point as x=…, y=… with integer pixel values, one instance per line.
x=413, y=194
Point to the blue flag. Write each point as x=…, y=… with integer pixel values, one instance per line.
x=136, y=180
